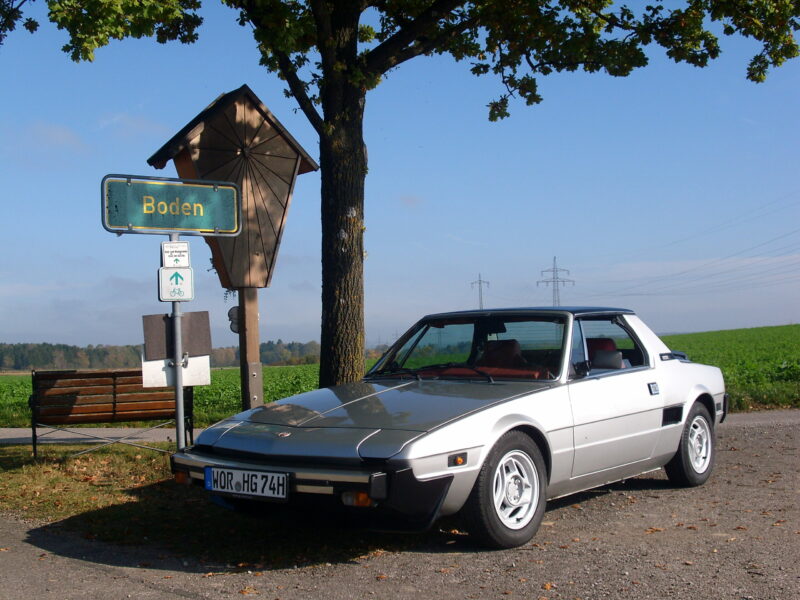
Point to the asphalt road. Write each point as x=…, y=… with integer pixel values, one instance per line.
x=737, y=537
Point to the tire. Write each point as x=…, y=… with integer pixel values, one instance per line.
x=507, y=503
x=693, y=462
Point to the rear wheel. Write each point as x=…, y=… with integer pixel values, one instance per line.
x=507, y=503
x=693, y=462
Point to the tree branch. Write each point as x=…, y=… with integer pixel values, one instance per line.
x=322, y=17
x=398, y=48
x=9, y=21
x=426, y=45
x=298, y=89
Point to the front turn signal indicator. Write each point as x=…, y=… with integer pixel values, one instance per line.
x=457, y=460
x=357, y=499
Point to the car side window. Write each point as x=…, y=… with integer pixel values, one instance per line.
x=610, y=346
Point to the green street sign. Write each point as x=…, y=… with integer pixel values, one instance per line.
x=135, y=204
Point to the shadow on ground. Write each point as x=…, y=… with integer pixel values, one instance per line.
x=169, y=519
x=200, y=536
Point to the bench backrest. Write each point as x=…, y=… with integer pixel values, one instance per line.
x=103, y=396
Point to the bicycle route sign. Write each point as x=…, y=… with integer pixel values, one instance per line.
x=175, y=284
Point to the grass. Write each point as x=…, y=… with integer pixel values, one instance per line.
x=223, y=397
x=126, y=496
x=761, y=365
x=14, y=392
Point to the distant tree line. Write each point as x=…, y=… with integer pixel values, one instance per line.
x=21, y=357
x=271, y=353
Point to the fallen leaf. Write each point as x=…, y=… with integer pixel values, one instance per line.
x=548, y=586
x=3, y=549
x=248, y=590
x=381, y=577
x=650, y=530
x=688, y=562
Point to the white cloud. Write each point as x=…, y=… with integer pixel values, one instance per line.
x=128, y=125
x=54, y=136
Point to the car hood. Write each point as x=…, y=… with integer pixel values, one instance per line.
x=367, y=419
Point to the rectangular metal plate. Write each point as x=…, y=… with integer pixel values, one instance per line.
x=260, y=484
x=135, y=204
x=159, y=331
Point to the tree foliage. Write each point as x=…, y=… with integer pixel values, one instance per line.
x=517, y=40
x=331, y=53
x=11, y=14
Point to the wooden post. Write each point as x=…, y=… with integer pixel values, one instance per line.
x=249, y=355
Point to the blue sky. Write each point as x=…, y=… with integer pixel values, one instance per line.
x=674, y=191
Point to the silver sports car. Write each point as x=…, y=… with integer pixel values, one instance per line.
x=485, y=413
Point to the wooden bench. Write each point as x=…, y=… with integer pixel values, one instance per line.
x=102, y=396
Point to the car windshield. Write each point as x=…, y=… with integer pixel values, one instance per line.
x=485, y=346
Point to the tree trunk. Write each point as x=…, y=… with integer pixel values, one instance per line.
x=343, y=166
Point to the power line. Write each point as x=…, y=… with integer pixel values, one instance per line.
x=480, y=283
x=555, y=280
x=659, y=279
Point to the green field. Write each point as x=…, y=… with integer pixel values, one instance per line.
x=761, y=368
x=761, y=365
x=222, y=398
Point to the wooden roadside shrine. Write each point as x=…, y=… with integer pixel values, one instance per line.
x=238, y=139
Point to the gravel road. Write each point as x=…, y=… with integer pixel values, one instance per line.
x=737, y=537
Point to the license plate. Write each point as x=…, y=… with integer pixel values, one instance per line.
x=248, y=483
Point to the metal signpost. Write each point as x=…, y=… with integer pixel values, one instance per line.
x=135, y=204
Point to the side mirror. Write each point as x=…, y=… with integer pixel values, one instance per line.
x=582, y=369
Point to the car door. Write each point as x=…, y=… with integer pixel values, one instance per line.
x=616, y=405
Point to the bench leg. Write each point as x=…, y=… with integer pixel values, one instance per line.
x=33, y=437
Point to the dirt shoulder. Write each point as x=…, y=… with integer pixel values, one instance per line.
x=737, y=537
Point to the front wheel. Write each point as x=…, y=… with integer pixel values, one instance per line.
x=692, y=464
x=507, y=503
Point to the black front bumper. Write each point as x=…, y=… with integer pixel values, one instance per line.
x=394, y=491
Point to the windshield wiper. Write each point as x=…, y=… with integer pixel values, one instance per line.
x=396, y=371
x=460, y=366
